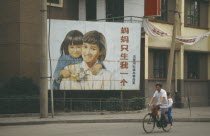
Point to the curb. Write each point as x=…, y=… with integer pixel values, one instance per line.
x=191, y=120
x=98, y=121
x=69, y=113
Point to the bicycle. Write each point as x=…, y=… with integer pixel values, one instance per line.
x=152, y=119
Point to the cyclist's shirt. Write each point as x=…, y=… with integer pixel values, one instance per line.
x=159, y=95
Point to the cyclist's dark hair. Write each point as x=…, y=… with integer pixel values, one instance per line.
x=158, y=85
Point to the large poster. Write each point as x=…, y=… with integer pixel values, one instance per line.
x=94, y=55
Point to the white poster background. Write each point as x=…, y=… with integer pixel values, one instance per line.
x=112, y=33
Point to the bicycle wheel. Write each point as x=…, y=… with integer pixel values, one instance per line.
x=148, y=123
x=165, y=124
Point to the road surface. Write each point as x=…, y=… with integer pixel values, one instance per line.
x=103, y=129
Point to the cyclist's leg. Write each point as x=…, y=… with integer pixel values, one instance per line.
x=163, y=111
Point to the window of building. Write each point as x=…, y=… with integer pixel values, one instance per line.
x=160, y=64
x=193, y=66
x=164, y=11
x=55, y=3
x=90, y=9
x=114, y=8
x=193, y=12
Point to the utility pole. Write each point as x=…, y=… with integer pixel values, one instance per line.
x=173, y=45
x=43, y=62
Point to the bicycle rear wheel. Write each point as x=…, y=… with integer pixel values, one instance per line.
x=148, y=123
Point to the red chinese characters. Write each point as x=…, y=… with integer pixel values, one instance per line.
x=124, y=39
x=124, y=54
x=123, y=82
x=124, y=47
x=123, y=65
x=124, y=30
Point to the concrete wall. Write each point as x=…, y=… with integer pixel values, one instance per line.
x=9, y=39
x=197, y=89
x=131, y=8
x=20, y=35
x=165, y=42
x=82, y=10
x=134, y=8
x=69, y=11
x=199, y=46
x=198, y=92
x=171, y=8
x=101, y=9
x=150, y=64
x=203, y=14
x=161, y=42
x=20, y=39
x=30, y=38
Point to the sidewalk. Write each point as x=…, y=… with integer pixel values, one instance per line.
x=198, y=114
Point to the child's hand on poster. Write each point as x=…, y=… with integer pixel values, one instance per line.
x=65, y=73
x=96, y=68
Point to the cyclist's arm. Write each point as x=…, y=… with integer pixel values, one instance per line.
x=161, y=100
x=153, y=98
x=151, y=101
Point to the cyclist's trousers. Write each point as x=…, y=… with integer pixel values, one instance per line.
x=163, y=110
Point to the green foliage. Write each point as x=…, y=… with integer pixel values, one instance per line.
x=112, y=104
x=137, y=103
x=19, y=95
x=19, y=86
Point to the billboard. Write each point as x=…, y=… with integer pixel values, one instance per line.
x=94, y=55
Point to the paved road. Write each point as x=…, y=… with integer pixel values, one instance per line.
x=103, y=129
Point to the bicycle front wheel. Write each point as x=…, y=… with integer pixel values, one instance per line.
x=148, y=123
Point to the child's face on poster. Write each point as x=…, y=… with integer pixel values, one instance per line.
x=90, y=52
x=75, y=50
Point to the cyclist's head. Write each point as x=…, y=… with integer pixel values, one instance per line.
x=158, y=87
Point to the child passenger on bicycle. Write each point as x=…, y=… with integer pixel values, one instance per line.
x=169, y=112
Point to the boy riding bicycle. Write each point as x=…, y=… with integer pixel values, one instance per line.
x=160, y=96
x=152, y=119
